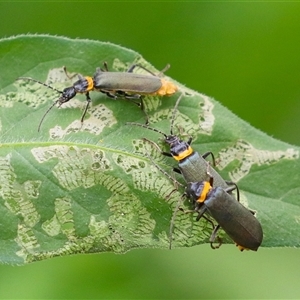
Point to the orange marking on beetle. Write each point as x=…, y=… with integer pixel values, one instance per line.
x=242, y=248
x=167, y=88
x=184, y=154
x=206, y=188
x=90, y=81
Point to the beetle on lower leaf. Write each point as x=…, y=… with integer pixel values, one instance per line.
x=235, y=219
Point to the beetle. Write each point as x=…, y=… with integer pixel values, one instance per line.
x=115, y=85
x=235, y=219
x=132, y=85
x=198, y=170
x=194, y=169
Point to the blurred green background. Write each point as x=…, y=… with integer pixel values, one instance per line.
x=245, y=55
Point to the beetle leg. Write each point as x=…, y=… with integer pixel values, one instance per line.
x=233, y=186
x=214, y=236
x=105, y=66
x=88, y=99
x=72, y=76
x=130, y=70
x=207, y=154
x=109, y=94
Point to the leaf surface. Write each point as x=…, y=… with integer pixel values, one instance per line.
x=74, y=188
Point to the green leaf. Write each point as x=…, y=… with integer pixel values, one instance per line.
x=82, y=189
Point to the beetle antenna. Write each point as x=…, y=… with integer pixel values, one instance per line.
x=41, y=83
x=47, y=111
x=176, y=183
x=147, y=127
x=175, y=109
x=166, y=68
x=172, y=223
